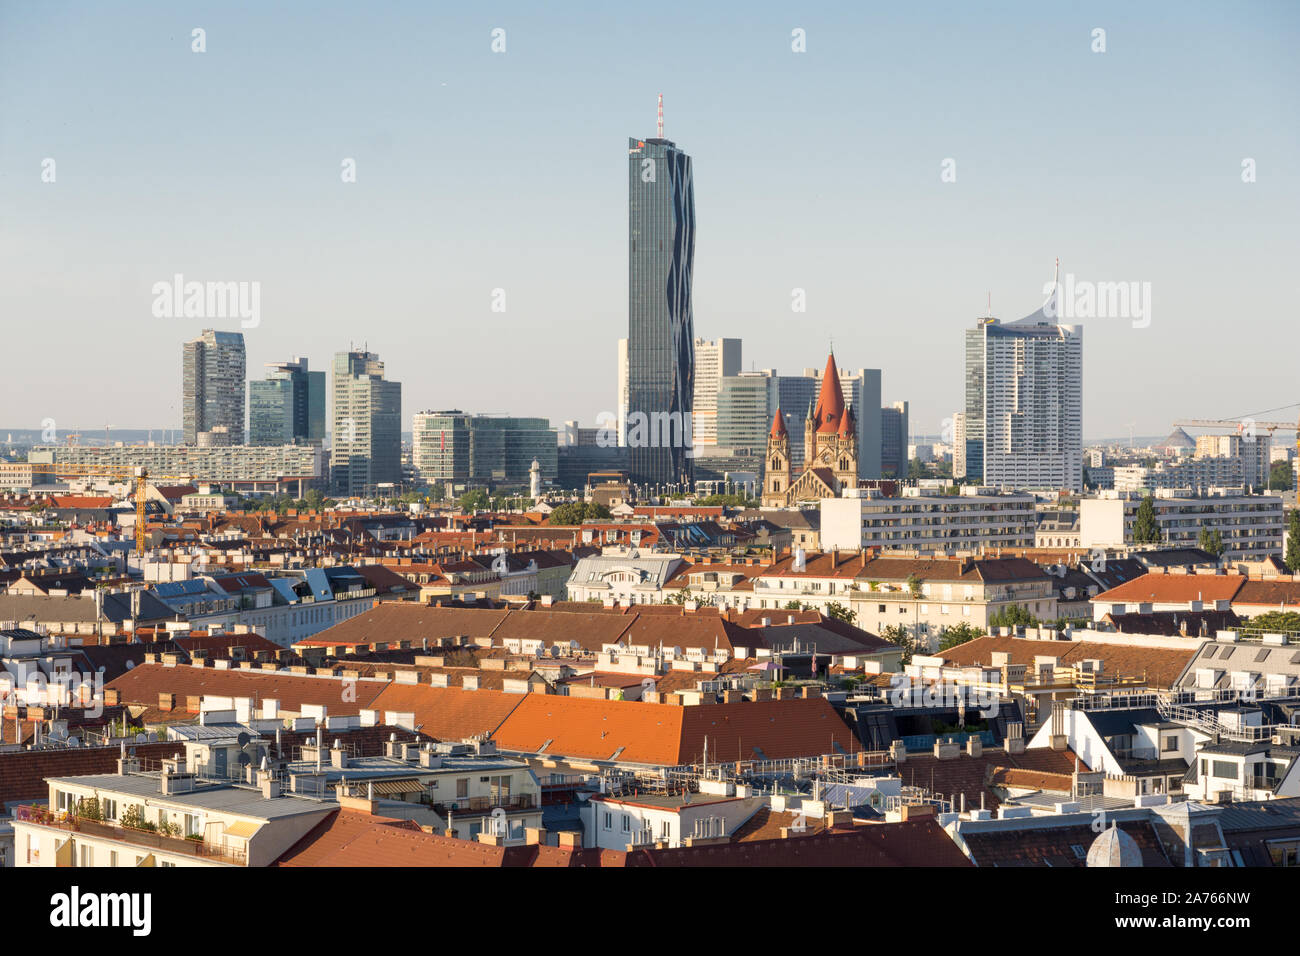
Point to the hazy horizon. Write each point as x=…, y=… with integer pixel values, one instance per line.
x=478, y=171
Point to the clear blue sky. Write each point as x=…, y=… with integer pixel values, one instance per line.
x=479, y=171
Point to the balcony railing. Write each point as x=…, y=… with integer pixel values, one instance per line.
x=177, y=846
x=518, y=801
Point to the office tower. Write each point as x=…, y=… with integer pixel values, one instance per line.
x=893, y=440
x=366, y=444
x=861, y=390
x=623, y=390
x=745, y=405
x=713, y=362
x=213, y=371
x=661, y=253
x=452, y=446
x=288, y=406
x=440, y=446
x=1024, y=403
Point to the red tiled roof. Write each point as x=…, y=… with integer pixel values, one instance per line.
x=970, y=776
x=666, y=734
x=911, y=843
x=1275, y=594
x=1159, y=666
x=449, y=713
x=142, y=686
x=1040, y=846
x=1174, y=589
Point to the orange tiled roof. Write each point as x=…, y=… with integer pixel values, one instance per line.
x=143, y=684
x=1160, y=666
x=636, y=732
x=449, y=713
x=1174, y=589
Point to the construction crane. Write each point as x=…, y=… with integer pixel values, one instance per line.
x=1247, y=421
x=140, y=476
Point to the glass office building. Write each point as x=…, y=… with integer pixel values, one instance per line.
x=452, y=446
x=661, y=344
x=288, y=406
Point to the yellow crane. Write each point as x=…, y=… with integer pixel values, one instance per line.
x=140, y=476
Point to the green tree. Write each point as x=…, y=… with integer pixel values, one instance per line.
x=1013, y=616
x=475, y=500
x=899, y=636
x=916, y=470
x=915, y=586
x=839, y=612
x=1275, y=621
x=1145, y=528
x=1279, y=477
x=1293, y=542
x=576, y=512
x=727, y=501
x=951, y=637
x=313, y=500
x=795, y=606
x=1211, y=541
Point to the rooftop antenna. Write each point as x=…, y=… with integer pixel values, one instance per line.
x=990, y=304
x=661, y=116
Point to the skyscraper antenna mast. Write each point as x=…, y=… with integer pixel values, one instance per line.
x=661, y=116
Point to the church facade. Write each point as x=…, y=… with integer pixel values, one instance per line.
x=830, y=449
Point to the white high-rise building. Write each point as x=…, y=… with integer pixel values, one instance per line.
x=624, y=391
x=959, y=444
x=713, y=361
x=1024, y=391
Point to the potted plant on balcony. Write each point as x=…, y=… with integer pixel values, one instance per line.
x=88, y=809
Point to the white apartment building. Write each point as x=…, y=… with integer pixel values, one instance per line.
x=1024, y=384
x=1251, y=526
x=942, y=524
x=252, y=467
x=713, y=361
x=624, y=575
x=621, y=822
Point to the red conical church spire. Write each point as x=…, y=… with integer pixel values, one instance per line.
x=778, y=425
x=830, y=400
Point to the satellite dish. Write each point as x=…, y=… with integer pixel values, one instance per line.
x=677, y=652
x=74, y=741
x=244, y=760
x=130, y=665
x=140, y=738
x=153, y=737
x=555, y=651
x=243, y=739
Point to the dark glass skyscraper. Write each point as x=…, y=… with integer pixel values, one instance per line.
x=661, y=335
x=288, y=406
